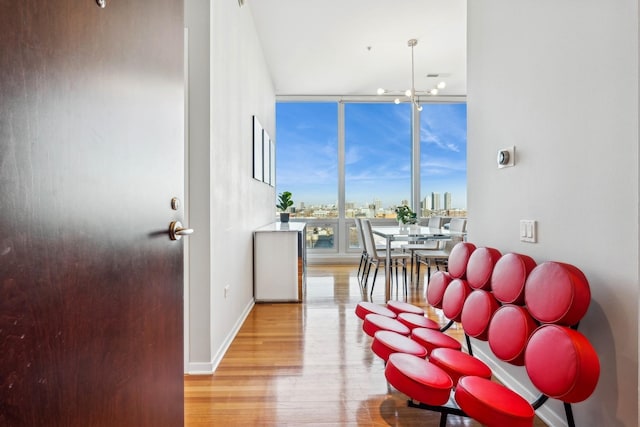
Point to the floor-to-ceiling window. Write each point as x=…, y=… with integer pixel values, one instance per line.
x=347, y=159
x=443, y=160
x=307, y=166
x=377, y=159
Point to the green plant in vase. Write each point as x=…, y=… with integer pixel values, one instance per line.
x=405, y=215
x=284, y=203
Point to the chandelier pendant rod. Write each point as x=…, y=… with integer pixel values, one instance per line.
x=412, y=43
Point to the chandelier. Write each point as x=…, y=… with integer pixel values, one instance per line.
x=412, y=94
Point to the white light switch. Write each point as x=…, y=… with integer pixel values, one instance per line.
x=528, y=231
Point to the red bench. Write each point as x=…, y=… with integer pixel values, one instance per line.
x=529, y=316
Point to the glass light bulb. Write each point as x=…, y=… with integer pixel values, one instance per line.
x=419, y=107
x=442, y=85
x=397, y=101
x=408, y=93
x=380, y=91
x=433, y=91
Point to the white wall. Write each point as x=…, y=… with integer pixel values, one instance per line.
x=228, y=84
x=559, y=80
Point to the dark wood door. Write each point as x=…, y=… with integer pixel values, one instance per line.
x=91, y=153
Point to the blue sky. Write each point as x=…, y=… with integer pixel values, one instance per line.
x=377, y=152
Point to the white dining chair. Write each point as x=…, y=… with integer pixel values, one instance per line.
x=428, y=245
x=363, y=257
x=378, y=257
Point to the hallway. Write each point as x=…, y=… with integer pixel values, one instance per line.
x=307, y=364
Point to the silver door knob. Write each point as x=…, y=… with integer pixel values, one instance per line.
x=176, y=231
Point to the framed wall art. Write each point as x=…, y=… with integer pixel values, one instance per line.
x=258, y=150
x=266, y=157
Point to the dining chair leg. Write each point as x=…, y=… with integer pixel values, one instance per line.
x=373, y=283
x=363, y=261
x=404, y=271
x=397, y=283
x=366, y=278
x=411, y=257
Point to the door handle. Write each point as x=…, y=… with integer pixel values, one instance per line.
x=176, y=231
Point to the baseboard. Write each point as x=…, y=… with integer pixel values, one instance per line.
x=545, y=413
x=199, y=368
x=333, y=259
x=210, y=367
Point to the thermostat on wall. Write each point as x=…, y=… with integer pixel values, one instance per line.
x=506, y=157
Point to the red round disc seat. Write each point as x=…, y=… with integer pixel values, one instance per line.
x=419, y=379
x=458, y=259
x=386, y=343
x=492, y=404
x=436, y=287
x=365, y=307
x=377, y=322
x=509, y=277
x=412, y=321
x=458, y=364
x=432, y=339
x=557, y=293
x=509, y=331
x=562, y=363
x=404, y=307
x=480, y=267
x=477, y=312
x=454, y=298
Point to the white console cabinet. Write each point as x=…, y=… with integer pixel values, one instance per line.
x=279, y=262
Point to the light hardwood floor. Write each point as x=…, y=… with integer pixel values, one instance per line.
x=308, y=364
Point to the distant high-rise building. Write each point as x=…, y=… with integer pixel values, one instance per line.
x=447, y=201
x=435, y=201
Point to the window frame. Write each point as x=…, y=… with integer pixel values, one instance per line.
x=341, y=252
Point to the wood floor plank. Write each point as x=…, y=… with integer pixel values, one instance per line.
x=308, y=364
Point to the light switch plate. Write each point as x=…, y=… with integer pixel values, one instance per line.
x=528, y=232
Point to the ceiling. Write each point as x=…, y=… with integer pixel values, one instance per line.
x=353, y=47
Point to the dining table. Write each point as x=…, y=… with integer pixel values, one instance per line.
x=409, y=233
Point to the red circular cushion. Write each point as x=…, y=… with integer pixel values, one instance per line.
x=413, y=321
x=365, y=307
x=418, y=379
x=403, y=307
x=477, y=312
x=377, y=322
x=492, y=404
x=386, y=343
x=557, y=293
x=458, y=259
x=458, y=364
x=432, y=339
x=562, y=363
x=480, y=267
x=454, y=298
x=437, y=285
x=509, y=331
x=509, y=276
